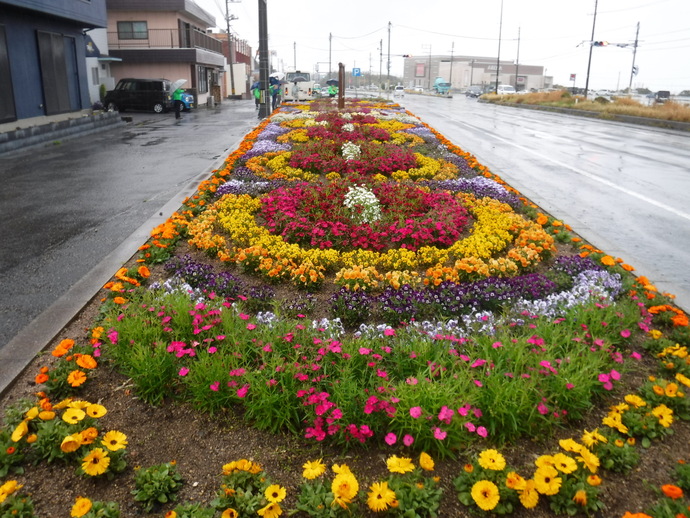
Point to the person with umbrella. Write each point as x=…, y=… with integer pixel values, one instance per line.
x=332, y=87
x=177, y=96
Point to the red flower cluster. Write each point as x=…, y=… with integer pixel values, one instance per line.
x=314, y=215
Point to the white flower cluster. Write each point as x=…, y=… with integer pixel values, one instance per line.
x=348, y=127
x=363, y=204
x=351, y=151
x=283, y=117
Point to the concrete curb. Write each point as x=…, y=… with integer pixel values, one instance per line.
x=21, y=138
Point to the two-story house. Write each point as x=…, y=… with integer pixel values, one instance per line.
x=165, y=39
x=42, y=56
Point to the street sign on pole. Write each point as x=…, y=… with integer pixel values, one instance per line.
x=356, y=72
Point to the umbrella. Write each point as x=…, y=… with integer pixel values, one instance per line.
x=332, y=82
x=177, y=84
x=277, y=75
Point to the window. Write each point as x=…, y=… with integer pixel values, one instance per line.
x=94, y=76
x=132, y=30
x=202, y=80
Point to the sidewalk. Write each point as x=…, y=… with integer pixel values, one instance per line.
x=23, y=133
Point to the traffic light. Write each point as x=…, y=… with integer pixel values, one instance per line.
x=600, y=43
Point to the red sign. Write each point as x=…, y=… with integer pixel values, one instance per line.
x=572, y=77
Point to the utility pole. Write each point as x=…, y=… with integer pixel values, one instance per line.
x=450, y=79
x=517, y=62
x=498, y=59
x=380, y=61
x=591, y=46
x=265, y=102
x=633, y=70
x=294, y=54
x=330, y=37
x=231, y=43
x=388, y=81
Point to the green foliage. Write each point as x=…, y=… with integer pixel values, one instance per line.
x=11, y=455
x=17, y=506
x=576, y=496
x=157, y=485
x=191, y=510
x=617, y=454
x=103, y=510
x=682, y=475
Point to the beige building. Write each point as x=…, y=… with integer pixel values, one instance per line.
x=166, y=39
x=463, y=71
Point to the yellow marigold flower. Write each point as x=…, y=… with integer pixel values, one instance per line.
x=96, y=462
x=529, y=497
x=95, y=410
x=570, y=445
x=275, y=493
x=114, y=440
x=492, y=459
x=81, y=507
x=313, y=469
x=664, y=414
x=589, y=459
x=20, y=431
x=73, y=415
x=564, y=464
x=89, y=435
x=593, y=437
x=271, y=510
x=426, y=462
x=671, y=390
x=380, y=496
x=401, y=465
x=71, y=443
x=635, y=400
x=230, y=513
x=485, y=494
x=547, y=481
x=344, y=488
x=683, y=379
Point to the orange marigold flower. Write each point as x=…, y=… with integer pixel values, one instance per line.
x=608, y=260
x=144, y=272
x=119, y=300
x=41, y=378
x=76, y=378
x=672, y=491
x=86, y=361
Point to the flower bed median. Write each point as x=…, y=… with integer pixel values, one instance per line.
x=357, y=281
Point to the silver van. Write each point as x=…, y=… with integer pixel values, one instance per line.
x=505, y=89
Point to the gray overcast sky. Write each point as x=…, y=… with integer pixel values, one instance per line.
x=552, y=33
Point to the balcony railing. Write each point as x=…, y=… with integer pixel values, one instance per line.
x=166, y=39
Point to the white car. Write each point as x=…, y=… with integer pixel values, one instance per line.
x=505, y=89
x=399, y=91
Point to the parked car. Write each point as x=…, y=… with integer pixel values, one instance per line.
x=419, y=89
x=140, y=94
x=505, y=89
x=187, y=101
x=474, y=91
x=399, y=91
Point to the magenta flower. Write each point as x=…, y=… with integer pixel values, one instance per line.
x=416, y=412
x=446, y=414
x=364, y=351
x=243, y=316
x=215, y=386
x=439, y=434
x=482, y=432
x=390, y=439
x=408, y=440
x=625, y=333
x=251, y=326
x=542, y=409
x=242, y=392
x=389, y=332
x=183, y=371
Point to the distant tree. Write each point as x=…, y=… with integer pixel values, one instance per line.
x=643, y=91
x=685, y=93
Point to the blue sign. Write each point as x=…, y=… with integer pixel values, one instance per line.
x=356, y=72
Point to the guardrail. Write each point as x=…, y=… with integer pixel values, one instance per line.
x=166, y=39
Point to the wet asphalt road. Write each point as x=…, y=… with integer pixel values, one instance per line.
x=65, y=207
x=624, y=188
